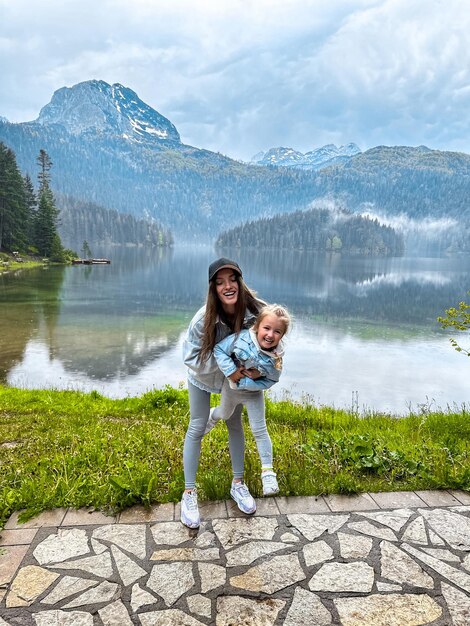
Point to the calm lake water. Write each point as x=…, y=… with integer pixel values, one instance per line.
x=365, y=332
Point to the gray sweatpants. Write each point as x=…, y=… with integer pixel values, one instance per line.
x=199, y=406
x=254, y=402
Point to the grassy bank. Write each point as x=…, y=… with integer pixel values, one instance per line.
x=9, y=263
x=64, y=448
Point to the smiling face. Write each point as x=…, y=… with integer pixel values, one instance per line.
x=270, y=331
x=226, y=286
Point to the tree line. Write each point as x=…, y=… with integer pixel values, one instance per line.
x=318, y=230
x=31, y=222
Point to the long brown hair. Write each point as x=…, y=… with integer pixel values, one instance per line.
x=246, y=300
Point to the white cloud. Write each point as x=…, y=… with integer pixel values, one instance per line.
x=246, y=75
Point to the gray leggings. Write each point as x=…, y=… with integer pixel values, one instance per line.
x=199, y=406
x=254, y=402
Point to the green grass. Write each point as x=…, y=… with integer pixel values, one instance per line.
x=65, y=448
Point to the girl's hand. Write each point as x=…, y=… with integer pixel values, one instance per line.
x=252, y=373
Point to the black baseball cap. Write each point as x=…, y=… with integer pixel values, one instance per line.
x=222, y=264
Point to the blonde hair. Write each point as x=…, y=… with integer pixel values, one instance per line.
x=277, y=310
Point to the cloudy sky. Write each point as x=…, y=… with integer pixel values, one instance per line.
x=240, y=76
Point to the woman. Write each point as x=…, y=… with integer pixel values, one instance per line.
x=230, y=306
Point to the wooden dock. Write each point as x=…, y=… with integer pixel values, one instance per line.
x=91, y=262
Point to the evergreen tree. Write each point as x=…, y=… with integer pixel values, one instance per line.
x=13, y=209
x=45, y=231
x=31, y=206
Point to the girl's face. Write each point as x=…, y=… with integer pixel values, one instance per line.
x=226, y=286
x=270, y=332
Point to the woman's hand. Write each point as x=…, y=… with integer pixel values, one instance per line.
x=252, y=373
x=236, y=376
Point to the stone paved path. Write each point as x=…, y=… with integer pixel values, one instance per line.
x=387, y=559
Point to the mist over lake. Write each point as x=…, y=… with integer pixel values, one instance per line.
x=365, y=333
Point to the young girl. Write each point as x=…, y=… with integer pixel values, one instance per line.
x=261, y=349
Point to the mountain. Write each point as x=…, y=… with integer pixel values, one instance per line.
x=111, y=149
x=312, y=160
x=96, y=107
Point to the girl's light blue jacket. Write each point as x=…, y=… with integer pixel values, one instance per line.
x=206, y=375
x=247, y=350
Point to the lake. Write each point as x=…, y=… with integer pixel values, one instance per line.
x=365, y=334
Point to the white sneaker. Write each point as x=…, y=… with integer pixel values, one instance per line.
x=189, y=509
x=212, y=421
x=269, y=480
x=243, y=498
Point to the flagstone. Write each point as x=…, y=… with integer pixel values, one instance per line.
x=63, y=618
x=444, y=555
x=30, y=582
x=458, y=604
x=200, y=605
x=435, y=539
x=66, y=544
x=168, y=617
x=205, y=540
x=129, y=537
x=387, y=586
x=98, y=547
x=99, y=565
x=317, y=553
x=128, y=569
x=289, y=538
x=233, y=610
x=10, y=560
x=68, y=586
x=212, y=576
x=232, y=532
x=307, y=608
x=415, y=532
x=272, y=575
x=354, y=546
x=170, y=533
x=171, y=580
x=366, y=528
x=466, y=562
x=186, y=554
x=388, y=610
x=452, y=527
x=313, y=526
x=338, y=577
x=104, y=592
x=249, y=552
x=3, y=622
x=398, y=566
x=393, y=519
x=17, y=537
x=455, y=576
x=115, y=614
x=140, y=597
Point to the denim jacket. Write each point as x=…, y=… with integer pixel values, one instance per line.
x=206, y=374
x=247, y=351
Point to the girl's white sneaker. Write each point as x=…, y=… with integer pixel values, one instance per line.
x=269, y=480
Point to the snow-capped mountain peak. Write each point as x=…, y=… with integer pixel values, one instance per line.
x=95, y=105
x=312, y=160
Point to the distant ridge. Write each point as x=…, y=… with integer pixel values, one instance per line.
x=312, y=160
